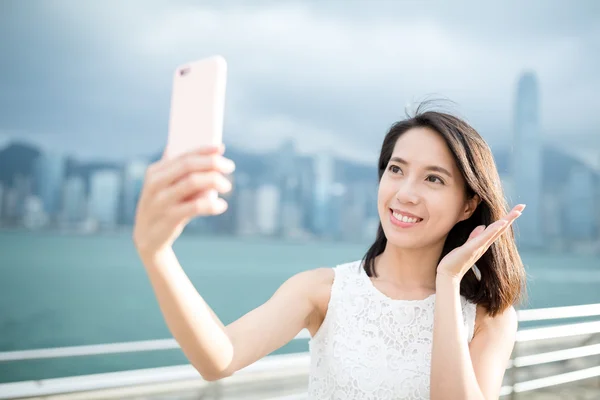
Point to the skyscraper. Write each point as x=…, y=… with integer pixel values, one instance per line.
x=306, y=192
x=526, y=168
x=244, y=205
x=49, y=171
x=290, y=212
x=103, y=201
x=23, y=189
x=267, y=209
x=133, y=182
x=324, y=177
x=74, y=200
x=2, y=193
x=579, y=198
x=287, y=176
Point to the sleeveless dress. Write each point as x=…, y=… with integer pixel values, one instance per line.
x=372, y=347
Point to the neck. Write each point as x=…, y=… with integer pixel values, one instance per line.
x=410, y=269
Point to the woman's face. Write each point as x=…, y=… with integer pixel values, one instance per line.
x=422, y=192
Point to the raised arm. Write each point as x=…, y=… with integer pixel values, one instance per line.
x=215, y=350
x=170, y=198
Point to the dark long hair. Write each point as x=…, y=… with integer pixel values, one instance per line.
x=502, y=280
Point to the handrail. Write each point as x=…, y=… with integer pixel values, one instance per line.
x=89, y=350
x=183, y=372
x=524, y=335
x=170, y=344
x=558, y=331
x=101, y=349
x=552, y=313
x=554, y=332
x=553, y=356
x=148, y=376
x=554, y=380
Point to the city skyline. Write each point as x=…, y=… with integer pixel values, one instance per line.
x=327, y=77
x=284, y=193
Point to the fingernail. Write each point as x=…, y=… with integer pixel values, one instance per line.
x=228, y=166
x=228, y=185
x=221, y=205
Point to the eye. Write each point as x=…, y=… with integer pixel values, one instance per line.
x=434, y=177
x=394, y=169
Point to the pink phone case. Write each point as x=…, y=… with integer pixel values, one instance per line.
x=197, y=106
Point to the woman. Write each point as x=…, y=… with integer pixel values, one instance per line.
x=414, y=319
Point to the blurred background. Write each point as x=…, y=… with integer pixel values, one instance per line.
x=312, y=89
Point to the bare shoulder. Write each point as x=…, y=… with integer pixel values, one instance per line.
x=504, y=324
x=318, y=282
x=310, y=280
x=315, y=275
x=323, y=275
x=313, y=285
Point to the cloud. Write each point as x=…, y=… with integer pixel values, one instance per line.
x=311, y=70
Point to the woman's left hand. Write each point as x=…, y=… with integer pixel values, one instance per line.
x=456, y=263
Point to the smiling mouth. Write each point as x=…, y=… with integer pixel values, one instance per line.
x=405, y=219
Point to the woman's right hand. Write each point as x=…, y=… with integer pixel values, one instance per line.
x=174, y=192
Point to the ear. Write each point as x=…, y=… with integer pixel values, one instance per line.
x=470, y=207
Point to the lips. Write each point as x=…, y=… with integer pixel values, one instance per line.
x=405, y=216
x=403, y=221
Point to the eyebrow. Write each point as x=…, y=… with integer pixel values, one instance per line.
x=436, y=168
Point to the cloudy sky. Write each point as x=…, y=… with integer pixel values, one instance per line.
x=93, y=77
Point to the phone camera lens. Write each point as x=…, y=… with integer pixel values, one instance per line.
x=184, y=71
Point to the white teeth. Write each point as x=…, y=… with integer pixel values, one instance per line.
x=404, y=218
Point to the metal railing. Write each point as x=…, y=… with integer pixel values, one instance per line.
x=589, y=330
x=299, y=362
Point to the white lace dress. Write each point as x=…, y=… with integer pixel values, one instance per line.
x=372, y=347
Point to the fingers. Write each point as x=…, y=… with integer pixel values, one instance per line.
x=198, y=206
x=507, y=221
x=517, y=210
x=476, y=232
x=192, y=185
x=495, y=230
x=167, y=172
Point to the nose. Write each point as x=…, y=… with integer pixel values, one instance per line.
x=407, y=192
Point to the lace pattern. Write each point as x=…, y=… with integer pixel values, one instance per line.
x=371, y=346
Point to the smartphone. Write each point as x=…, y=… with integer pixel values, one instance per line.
x=197, y=106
